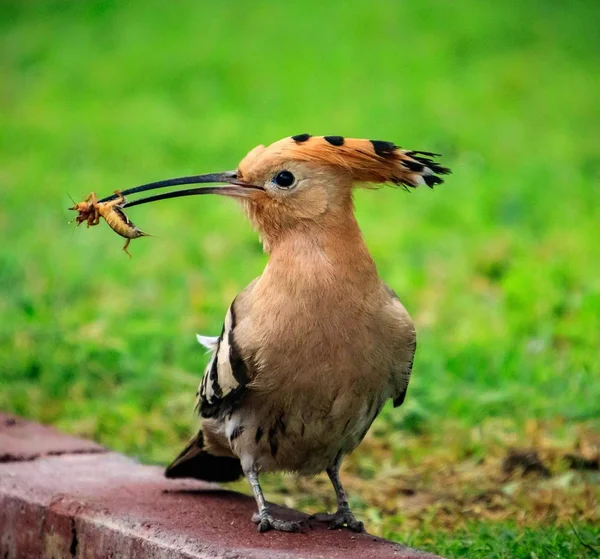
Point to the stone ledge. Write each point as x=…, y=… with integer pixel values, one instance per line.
x=25, y=440
x=88, y=502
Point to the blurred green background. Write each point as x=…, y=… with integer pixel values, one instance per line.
x=500, y=267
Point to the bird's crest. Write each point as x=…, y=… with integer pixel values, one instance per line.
x=368, y=161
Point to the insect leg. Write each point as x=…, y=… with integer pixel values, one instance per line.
x=125, y=247
x=120, y=198
x=95, y=216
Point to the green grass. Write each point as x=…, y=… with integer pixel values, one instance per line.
x=500, y=267
x=505, y=541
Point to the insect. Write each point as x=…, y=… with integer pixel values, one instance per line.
x=90, y=211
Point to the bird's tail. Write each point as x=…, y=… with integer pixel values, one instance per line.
x=194, y=461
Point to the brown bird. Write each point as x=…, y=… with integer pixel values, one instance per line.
x=311, y=350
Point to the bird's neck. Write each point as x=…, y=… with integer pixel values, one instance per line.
x=329, y=252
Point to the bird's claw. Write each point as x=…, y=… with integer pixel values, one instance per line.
x=266, y=522
x=343, y=518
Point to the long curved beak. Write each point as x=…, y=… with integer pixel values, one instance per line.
x=235, y=188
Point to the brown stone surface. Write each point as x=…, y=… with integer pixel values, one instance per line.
x=106, y=505
x=25, y=440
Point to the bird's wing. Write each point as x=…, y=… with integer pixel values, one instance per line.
x=404, y=347
x=227, y=374
x=209, y=342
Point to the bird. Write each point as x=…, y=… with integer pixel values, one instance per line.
x=312, y=349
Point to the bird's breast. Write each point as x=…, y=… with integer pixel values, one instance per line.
x=329, y=346
x=319, y=341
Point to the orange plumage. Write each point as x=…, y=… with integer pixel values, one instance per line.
x=367, y=161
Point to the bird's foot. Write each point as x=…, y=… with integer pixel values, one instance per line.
x=343, y=518
x=266, y=522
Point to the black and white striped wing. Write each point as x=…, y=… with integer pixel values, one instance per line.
x=402, y=374
x=404, y=351
x=226, y=376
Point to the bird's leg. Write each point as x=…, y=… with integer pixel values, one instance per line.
x=344, y=516
x=263, y=518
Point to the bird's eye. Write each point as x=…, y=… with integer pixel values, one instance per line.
x=284, y=179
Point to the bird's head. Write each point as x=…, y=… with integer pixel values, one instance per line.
x=307, y=181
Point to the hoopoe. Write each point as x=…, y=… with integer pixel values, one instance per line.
x=312, y=349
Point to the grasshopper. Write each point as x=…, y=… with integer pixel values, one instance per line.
x=90, y=211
